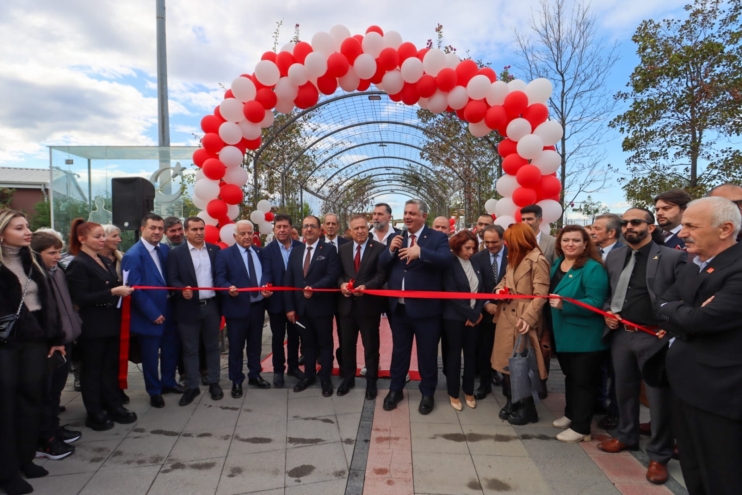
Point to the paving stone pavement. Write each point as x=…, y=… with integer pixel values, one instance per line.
x=278, y=442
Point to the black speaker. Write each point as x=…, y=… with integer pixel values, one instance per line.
x=131, y=198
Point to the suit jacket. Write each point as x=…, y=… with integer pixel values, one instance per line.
x=147, y=305
x=182, y=273
x=704, y=364
x=90, y=288
x=274, y=269
x=230, y=270
x=675, y=242
x=340, y=240
x=547, y=244
x=424, y=273
x=368, y=274
x=324, y=269
x=482, y=260
x=455, y=280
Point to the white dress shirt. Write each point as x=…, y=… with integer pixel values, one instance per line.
x=202, y=267
x=417, y=240
x=363, y=248
x=389, y=231
x=155, y=256
x=254, y=296
x=334, y=242
x=607, y=250
x=673, y=232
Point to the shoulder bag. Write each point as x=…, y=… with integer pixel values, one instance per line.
x=7, y=323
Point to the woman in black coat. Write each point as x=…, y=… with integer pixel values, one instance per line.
x=95, y=288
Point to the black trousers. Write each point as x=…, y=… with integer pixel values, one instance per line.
x=426, y=332
x=459, y=338
x=485, y=343
x=56, y=381
x=99, y=374
x=23, y=369
x=581, y=378
x=317, y=342
x=282, y=328
x=246, y=335
x=710, y=448
x=369, y=328
x=196, y=334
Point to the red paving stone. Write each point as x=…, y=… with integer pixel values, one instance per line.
x=388, y=486
x=621, y=468
x=646, y=489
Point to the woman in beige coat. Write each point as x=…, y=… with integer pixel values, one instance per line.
x=527, y=273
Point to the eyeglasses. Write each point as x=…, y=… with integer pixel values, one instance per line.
x=634, y=221
x=309, y=226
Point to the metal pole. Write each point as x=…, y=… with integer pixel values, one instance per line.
x=90, y=188
x=51, y=190
x=163, y=114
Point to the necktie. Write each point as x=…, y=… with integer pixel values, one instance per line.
x=619, y=297
x=160, y=257
x=357, y=259
x=252, y=275
x=412, y=240
x=495, y=269
x=666, y=234
x=602, y=253
x=307, y=261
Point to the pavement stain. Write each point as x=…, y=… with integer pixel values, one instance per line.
x=321, y=420
x=339, y=474
x=166, y=433
x=539, y=436
x=235, y=471
x=178, y=466
x=229, y=408
x=305, y=441
x=349, y=441
x=257, y=440
x=386, y=439
x=381, y=471
x=301, y=471
x=497, y=485
x=474, y=485
x=453, y=437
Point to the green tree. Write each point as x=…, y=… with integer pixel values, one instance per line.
x=6, y=197
x=685, y=102
x=591, y=208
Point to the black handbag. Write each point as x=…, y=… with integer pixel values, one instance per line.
x=7, y=323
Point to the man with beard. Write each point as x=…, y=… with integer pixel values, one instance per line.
x=382, y=217
x=483, y=222
x=174, y=233
x=640, y=274
x=669, y=207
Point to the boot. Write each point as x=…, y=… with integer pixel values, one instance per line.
x=524, y=413
x=507, y=410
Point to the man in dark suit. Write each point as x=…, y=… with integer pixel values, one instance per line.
x=313, y=265
x=669, y=207
x=640, y=274
x=331, y=226
x=151, y=317
x=492, y=263
x=197, y=313
x=240, y=266
x=733, y=193
x=275, y=261
x=359, y=262
x=416, y=261
x=533, y=215
x=484, y=221
x=704, y=366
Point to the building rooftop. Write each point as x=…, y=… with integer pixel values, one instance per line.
x=24, y=177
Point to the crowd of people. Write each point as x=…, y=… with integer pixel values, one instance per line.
x=630, y=299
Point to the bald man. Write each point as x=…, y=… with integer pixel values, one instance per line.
x=441, y=225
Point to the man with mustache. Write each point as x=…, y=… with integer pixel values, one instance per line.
x=669, y=207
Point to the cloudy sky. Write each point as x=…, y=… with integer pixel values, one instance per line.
x=82, y=72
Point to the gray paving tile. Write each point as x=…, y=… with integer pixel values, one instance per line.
x=484, y=414
x=438, y=437
x=540, y=441
x=442, y=412
x=150, y=449
x=335, y=487
x=250, y=473
x=509, y=474
x=312, y=431
x=353, y=401
x=271, y=407
x=186, y=478
x=207, y=414
x=316, y=463
x=253, y=438
x=168, y=418
x=69, y=484
x=129, y=481
x=311, y=407
x=493, y=440
x=449, y=474
x=88, y=457
x=578, y=471
x=600, y=488
x=204, y=445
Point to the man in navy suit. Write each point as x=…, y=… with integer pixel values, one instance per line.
x=669, y=207
x=331, y=227
x=151, y=317
x=197, y=313
x=240, y=266
x=416, y=261
x=313, y=265
x=275, y=261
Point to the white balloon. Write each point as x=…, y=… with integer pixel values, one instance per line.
x=478, y=86
x=423, y=103
x=250, y=130
x=412, y=70
x=233, y=211
x=267, y=72
x=552, y=210
x=285, y=106
x=392, y=39
x=545, y=228
x=264, y=205
x=530, y=146
x=517, y=128
x=231, y=110
x=438, y=102
x=257, y=216
x=479, y=129
x=339, y=33
x=230, y=132
x=550, y=131
x=243, y=89
x=365, y=66
x=517, y=85
x=206, y=189
x=452, y=60
x=226, y=234
x=316, y=64
x=236, y=176
x=286, y=90
x=539, y=90
x=505, y=221
x=505, y=186
x=489, y=206
x=497, y=92
x=372, y=44
x=265, y=227
x=231, y=156
x=379, y=86
x=323, y=43
x=298, y=75
x=198, y=202
x=206, y=218
x=199, y=175
x=267, y=120
x=548, y=162
x=434, y=61
x=288, y=47
x=393, y=82
x=350, y=81
x=505, y=206
x=458, y=98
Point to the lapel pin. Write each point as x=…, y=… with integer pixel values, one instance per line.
x=570, y=275
x=656, y=258
x=710, y=270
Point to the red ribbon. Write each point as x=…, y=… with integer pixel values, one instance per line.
x=124, y=343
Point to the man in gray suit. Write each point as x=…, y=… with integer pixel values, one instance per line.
x=640, y=274
x=605, y=234
x=533, y=215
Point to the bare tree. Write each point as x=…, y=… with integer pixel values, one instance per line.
x=562, y=46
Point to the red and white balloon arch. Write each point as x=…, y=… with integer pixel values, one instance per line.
x=430, y=78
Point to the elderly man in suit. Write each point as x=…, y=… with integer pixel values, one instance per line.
x=533, y=215
x=416, y=261
x=733, y=193
x=358, y=312
x=640, y=274
x=239, y=266
x=151, y=316
x=331, y=226
x=704, y=367
x=606, y=232
x=313, y=265
x=493, y=263
x=197, y=313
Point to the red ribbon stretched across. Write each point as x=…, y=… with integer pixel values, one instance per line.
x=124, y=343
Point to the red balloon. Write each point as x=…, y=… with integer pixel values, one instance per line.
x=491, y=75
x=254, y=111
x=465, y=71
x=216, y=208
x=231, y=194
x=528, y=175
x=214, y=170
x=269, y=216
x=212, y=142
x=211, y=234
x=518, y=216
x=452, y=221
x=375, y=29
x=396, y=97
x=242, y=145
x=426, y=86
x=378, y=75
x=550, y=186
x=284, y=60
x=200, y=156
x=337, y=65
x=475, y=110
x=364, y=84
x=228, y=94
x=406, y=50
x=536, y=114
x=358, y=37
x=515, y=103
x=524, y=196
x=267, y=98
x=460, y=114
x=256, y=239
x=512, y=163
x=496, y=117
x=211, y=123
x=307, y=96
x=351, y=48
x=221, y=245
x=251, y=144
x=301, y=50
x=507, y=147
x=552, y=148
x=388, y=59
x=327, y=84
x=494, y=217
x=446, y=79
x=271, y=56
x=409, y=94
x=421, y=53
x=218, y=113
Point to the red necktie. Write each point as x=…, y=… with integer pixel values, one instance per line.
x=357, y=259
x=412, y=240
x=307, y=261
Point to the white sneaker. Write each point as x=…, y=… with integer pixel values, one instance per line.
x=562, y=423
x=363, y=371
x=407, y=378
x=571, y=436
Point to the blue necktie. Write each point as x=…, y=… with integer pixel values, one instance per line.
x=252, y=275
x=161, y=257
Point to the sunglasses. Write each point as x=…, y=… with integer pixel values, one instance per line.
x=634, y=221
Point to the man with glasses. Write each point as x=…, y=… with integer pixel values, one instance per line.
x=640, y=274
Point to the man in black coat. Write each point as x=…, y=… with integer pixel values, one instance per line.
x=704, y=364
x=359, y=262
x=331, y=227
x=197, y=313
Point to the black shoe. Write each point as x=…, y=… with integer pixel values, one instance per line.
x=609, y=422
x=296, y=373
x=54, y=449
x=345, y=386
x=32, y=471
x=204, y=378
x=505, y=411
x=259, y=382
x=236, y=390
x=392, y=399
x=327, y=388
x=216, y=391
x=76, y=385
x=122, y=416
x=188, y=397
x=99, y=422
x=482, y=393
x=301, y=360
x=157, y=401
x=124, y=397
x=524, y=414
x=278, y=380
x=16, y=486
x=496, y=380
x=304, y=383
x=371, y=391
x=68, y=436
x=62, y=409
x=177, y=389
x=426, y=404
